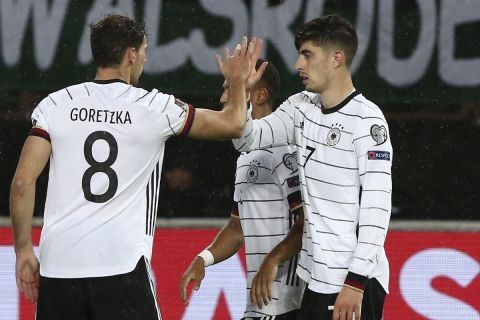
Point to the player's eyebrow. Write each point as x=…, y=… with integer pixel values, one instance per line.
x=304, y=51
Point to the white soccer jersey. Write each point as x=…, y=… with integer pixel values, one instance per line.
x=267, y=190
x=345, y=159
x=108, y=141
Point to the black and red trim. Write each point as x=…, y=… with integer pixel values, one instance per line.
x=188, y=123
x=356, y=280
x=39, y=132
x=294, y=200
x=235, y=211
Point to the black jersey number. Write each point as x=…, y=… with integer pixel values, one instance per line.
x=104, y=167
x=312, y=150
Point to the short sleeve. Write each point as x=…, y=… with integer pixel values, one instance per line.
x=178, y=115
x=40, y=125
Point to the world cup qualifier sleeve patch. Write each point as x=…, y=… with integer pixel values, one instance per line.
x=378, y=155
x=379, y=134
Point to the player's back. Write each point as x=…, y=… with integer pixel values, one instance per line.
x=107, y=149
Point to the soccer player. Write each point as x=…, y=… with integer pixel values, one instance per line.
x=105, y=141
x=344, y=155
x=266, y=199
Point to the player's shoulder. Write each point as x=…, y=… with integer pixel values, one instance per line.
x=364, y=108
x=303, y=96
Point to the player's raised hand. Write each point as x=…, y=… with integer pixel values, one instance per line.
x=255, y=50
x=27, y=273
x=261, y=291
x=195, y=272
x=236, y=66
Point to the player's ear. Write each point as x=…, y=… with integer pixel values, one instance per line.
x=338, y=58
x=131, y=55
x=260, y=95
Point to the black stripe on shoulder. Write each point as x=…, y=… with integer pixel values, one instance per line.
x=142, y=96
x=71, y=98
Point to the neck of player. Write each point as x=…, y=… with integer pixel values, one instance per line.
x=110, y=73
x=337, y=91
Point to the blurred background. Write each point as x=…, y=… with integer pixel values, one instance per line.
x=418, y=60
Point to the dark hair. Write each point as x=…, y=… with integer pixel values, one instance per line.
x=111, y=36
x=270, y=79
x=330, y=30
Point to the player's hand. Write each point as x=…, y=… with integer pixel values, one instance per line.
x=195, y=272
x=261, y=291
x=237, y=66
x=348, y=301
x=27, y=273
x=255, y=75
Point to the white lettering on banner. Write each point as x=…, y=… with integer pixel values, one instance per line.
x=457, y=71
x=227, y=277
x=9, y=297
x=405, y=71
x=166, y=57
x=420, y=269
x=99, y=9
x=437, y=20
x=365, y=18
x=203, y=56
x=272, y=24
x=9, y=294
x=47, y=25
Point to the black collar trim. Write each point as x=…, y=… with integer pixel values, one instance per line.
x=340, y=105
x=109, y=81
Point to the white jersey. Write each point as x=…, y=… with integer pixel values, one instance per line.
x=267, y=190
x=108, y=141
x=345, y=159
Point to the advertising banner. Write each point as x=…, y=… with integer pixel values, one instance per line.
x=434, y=275
x=409, y=51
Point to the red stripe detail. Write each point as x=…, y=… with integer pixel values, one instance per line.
x=235, y=211
x=294, y=199
x=36, y=131
x=355, y=284
x=189, y=121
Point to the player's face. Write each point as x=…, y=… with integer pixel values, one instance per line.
x=140, y=60
x=314, y=67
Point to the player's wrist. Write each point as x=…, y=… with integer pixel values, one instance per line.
x=207, y=257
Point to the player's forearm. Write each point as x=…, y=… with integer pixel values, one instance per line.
x=22, y=199
x=228, y=241
x=235, y=109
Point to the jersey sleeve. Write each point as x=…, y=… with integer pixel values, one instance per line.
x=374, y=153
x=276, y=129
x=40, y=125
x=285, y=172
x=176, y=114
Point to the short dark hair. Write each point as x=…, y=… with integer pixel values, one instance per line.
x=270, y=79
x=111, y=36
x=330, y=30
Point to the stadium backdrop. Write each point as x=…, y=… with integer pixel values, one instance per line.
x=410, y=51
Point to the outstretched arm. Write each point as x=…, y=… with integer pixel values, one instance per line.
x=33, y=159
x=227, y=242
x=237, y=71
x=261, y=291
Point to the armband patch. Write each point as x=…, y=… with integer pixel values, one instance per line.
x=293, y=182
x=378, y=155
